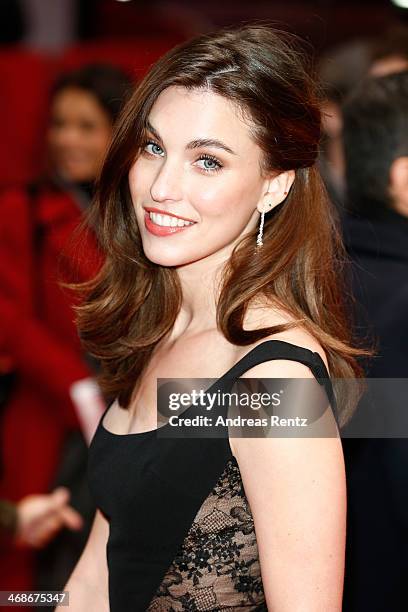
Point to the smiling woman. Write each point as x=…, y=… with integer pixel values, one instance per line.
x=78, y=134
x=222, y=260
x=209, y=181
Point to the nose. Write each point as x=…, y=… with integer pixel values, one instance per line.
x=167, y=184
x=67, y=137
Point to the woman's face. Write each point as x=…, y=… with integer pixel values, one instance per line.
x=200, y=164
x=78, y=135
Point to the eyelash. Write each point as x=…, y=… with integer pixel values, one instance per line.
x=203, y=156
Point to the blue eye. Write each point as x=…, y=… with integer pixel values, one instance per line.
x=154, y=149
x=210, y=163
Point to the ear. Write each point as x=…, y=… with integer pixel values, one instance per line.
x=275, y=191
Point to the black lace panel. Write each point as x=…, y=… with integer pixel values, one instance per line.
x=217, y=566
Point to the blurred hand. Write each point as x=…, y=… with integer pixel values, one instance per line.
x=41, y=517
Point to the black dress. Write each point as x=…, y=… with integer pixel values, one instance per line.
x=181, y=532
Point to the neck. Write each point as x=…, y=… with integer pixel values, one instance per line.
x=200, y=283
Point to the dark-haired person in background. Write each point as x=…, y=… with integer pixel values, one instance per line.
x=376, y=233
x=341, y=69
x=390, y=53
x=54, y=403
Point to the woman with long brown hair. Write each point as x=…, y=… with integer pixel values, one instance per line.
x=222, y=260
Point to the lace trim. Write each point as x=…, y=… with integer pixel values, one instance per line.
x=217, y=566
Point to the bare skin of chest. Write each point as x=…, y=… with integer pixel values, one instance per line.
x=206, y=355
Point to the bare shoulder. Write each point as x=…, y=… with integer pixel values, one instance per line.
x=245, y=449
x=267, y=316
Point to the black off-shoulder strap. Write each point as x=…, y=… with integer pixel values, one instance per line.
x=279, y=349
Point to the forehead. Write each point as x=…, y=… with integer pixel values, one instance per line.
x=184, y=115
x=76, y=101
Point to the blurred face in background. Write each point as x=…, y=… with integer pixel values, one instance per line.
x=388, y=65
x=78, y=135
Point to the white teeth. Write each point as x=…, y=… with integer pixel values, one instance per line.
x=167, y=220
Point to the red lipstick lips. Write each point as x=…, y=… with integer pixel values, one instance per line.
x=161, y=230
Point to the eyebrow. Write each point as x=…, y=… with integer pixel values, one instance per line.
x=198, y=142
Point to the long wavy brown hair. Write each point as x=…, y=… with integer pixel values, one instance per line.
x=132, y=303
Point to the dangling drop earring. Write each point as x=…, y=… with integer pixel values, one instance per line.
x=259, y=242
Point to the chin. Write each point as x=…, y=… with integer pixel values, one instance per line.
x=170, y=259
x=167, y=261
x=76, y=176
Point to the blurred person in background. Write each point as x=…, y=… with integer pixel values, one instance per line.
x=53, y=405
x=340, y=70
x=376, y=233
x=390, y=54
x=36, y=519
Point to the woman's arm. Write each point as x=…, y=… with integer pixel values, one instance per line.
x=88, y=584
x=297, y=493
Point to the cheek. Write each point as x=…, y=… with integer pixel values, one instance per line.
x=134, y=185
x=229, y=197
x=57, y=139
x=98, y=143
x=141, y=178
x=51, y=137
x=139, y=191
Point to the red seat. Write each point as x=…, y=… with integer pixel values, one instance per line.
x=25, y=78
x=134, y=56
